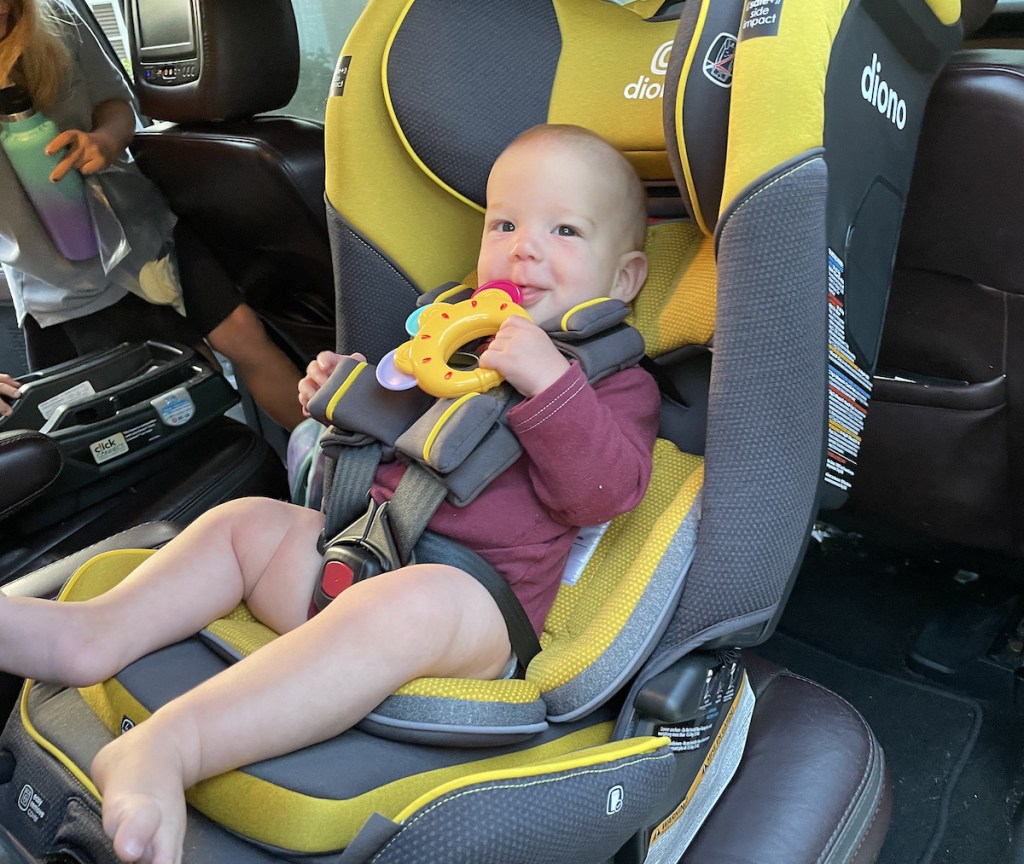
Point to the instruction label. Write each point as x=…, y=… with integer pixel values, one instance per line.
x=849, y=386
x=670, y=839
x=69, y=396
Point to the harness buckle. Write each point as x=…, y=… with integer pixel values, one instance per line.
x=365, y=549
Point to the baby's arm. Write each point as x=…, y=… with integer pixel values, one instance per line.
x=590, y=446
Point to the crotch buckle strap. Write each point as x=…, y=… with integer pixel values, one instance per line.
x=365, y=549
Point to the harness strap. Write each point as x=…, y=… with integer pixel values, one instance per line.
x=418, y=495
x=345, y=498
x=396, y=535
x=437, y=549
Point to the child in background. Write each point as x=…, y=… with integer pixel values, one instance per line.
x=68, y=308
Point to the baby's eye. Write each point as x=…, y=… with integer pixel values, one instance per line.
x=505, y=226
x=565, y=231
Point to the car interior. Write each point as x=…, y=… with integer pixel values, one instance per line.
x=863, y=636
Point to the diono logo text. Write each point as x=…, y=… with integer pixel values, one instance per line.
x=645, y=87
x=877, y=91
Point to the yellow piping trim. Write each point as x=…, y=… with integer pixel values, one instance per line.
x=565, y=318
x=69, y=586
x=336, y=398
x=451, y=409
x=77, y=772
x=451, y=292
x=394, y=118
x=684, y=76
x=594, y=756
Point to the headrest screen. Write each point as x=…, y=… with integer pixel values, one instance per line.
x=165, y=29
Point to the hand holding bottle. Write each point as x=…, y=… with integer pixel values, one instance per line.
x=89, y=152
x=78, y=150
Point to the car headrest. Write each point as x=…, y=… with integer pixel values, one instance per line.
x=243, y=60
x=974, y=13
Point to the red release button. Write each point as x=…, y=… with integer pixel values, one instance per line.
x=337, y=577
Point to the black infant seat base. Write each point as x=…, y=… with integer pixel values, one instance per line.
x=111, y=409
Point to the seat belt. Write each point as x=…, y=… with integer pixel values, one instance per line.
x=389, y=535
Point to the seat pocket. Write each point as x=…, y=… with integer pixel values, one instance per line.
x=935, y=459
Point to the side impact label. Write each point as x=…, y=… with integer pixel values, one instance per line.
x=340, y=75
x=849, y=386
x=760, y=18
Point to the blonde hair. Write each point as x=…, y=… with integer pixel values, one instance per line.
x=633, y=197
x=33, y=52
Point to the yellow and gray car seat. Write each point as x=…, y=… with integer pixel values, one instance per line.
x=643, y=705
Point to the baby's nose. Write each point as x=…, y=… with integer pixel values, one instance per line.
x=525, y=246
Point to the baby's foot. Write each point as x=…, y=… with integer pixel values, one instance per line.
x=143, y=799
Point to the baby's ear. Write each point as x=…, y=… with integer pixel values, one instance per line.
x=630, y=277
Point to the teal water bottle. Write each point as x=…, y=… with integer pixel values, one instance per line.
x=61, y=206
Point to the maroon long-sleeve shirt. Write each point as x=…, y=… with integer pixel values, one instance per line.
x=587, y=458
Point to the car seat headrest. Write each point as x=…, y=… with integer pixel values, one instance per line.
x=696, y=105
x=597, y=65
x=244, y=60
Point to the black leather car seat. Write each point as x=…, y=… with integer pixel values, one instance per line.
x=942, y=452
x=249, y=183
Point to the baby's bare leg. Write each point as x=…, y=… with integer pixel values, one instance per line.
x=200, y=575
x=312, y=683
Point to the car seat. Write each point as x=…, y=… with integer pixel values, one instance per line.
x=942, y=444
x=643, y=681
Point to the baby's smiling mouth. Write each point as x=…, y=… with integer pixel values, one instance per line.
x=531, y=294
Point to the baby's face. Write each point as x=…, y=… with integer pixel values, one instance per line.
x=552, y=226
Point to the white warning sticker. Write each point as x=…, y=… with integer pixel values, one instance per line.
x=69, y=396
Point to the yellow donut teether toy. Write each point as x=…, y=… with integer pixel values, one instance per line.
x=446, y=327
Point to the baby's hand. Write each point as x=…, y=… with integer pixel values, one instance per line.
x=525, y=356
x=9, y=388
x=317, y=373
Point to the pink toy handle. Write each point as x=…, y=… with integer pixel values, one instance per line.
x=506, y=285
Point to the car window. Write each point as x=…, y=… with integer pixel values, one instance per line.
x=323, y=26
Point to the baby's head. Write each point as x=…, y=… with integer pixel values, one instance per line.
x=566, y=218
